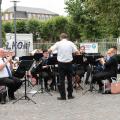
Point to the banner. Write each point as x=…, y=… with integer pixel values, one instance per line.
x=24, y=43
x=90, y=47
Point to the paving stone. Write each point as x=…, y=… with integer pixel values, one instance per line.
x=91, y=106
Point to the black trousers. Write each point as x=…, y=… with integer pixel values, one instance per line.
x=12, y=83
x=98, y=77
x=65, y=69
x=47, y=76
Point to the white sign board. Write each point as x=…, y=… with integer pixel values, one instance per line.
x=90, y=47
x=24, y=43
x=118, y=40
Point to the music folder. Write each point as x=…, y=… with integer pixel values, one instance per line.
x=24, y=66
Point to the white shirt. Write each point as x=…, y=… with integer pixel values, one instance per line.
x=64, y=49
x=4, y=72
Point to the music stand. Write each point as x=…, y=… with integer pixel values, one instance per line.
x=118, y=61
x=54, y=54
x=78, y=60
x=38, y=56
x=118, y=58
x=91, y=57
x=24, y=66
x=52, y=61
x=25, y=58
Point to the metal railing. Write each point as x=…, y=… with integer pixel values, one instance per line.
x=102, y=46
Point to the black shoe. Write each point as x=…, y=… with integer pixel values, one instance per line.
x=87, y=82
x=3, y=102
x=100, y=91
x=13, y=98
x=47, y=90
x=51, y=88
x=60, y=98
x=71, y=97
x=74, y=86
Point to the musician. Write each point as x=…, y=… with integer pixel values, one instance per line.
x=82, y=68
x=6, y=77
x=37, y=53
x=46, y=70
x=99, y=66
x=65, y=49
x=114, y=49
x=87, y=67
x=109, y=69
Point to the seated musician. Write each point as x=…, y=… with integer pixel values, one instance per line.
x=34, y=72
x=6, y=77
x=84, y=67
x=87, y=67
x=114, y=49
x=43, y=72
x=98, y=66
x=46, y=71
x=109, y=69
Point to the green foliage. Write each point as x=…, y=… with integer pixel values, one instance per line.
x=7, y=27
x=107, y=14
x=50, y=30
x=60, y=23
x=21, y=26
x=73, y=30
x=86, y=23
x=95, y=18
x=87, y=20
x=3, y=38
x=32, y=26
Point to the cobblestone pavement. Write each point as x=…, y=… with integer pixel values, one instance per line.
x=91, y=106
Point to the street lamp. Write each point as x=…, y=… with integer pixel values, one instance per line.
x=0, y=25
x=15, y=2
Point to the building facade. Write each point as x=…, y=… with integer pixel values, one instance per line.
x=27, y=13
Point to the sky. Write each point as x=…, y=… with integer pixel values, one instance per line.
x=56, y=6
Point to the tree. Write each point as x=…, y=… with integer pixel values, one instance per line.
x=7, y=27
x=50, y=29
x=95, y=18
x=21, y=26
x=73, y=30
x=32, y=26
x=86, y=23
x=107, y=14
x=3, y=38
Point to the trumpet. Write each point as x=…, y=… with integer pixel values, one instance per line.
x=15, y=64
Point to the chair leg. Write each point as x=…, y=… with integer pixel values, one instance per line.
x=7, y=94
x=77, y=82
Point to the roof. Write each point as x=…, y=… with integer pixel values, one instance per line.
x=30, y=10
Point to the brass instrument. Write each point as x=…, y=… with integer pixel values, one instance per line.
x=14, y=63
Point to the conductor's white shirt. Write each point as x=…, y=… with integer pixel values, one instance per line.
x=4, y=72
x=64, y=48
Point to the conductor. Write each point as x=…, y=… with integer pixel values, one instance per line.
x=65, y=49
